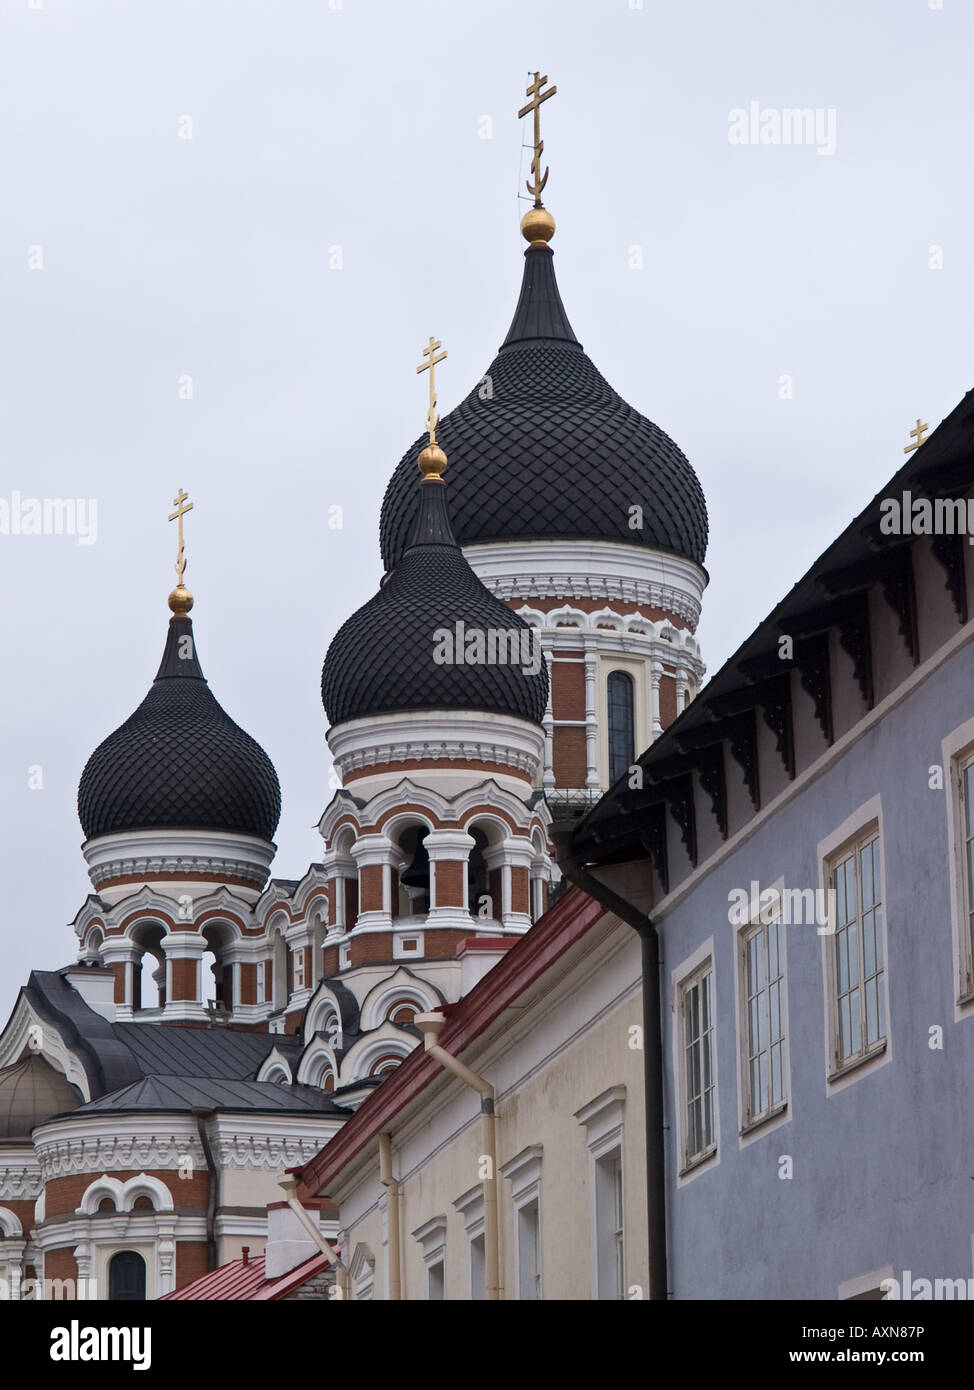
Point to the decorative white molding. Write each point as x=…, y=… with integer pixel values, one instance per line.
x=609, y=570
x=170, y=853
x=438, y=736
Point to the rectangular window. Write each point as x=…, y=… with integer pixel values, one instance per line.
x=610, y=1226
x=858, y=957
x=477, y=1268
x=434, y=1281
x=298, y=960
x=528, y=1251
x=696, y=1009
x=966, y=822
x=261, y=996
x=762, y=978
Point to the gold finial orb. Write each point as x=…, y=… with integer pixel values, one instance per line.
x=180, y=601
x=432, y=462
x=537, y=226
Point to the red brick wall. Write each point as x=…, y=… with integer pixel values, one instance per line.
x=667, y=701
x=568, y=689
x=118, y=968
x=64, y=1194
x=568, y=757
x=61, y=1264
x=520, y=890
x=449, y=883
x=373, y=947
x=370, y=878
x=190, y=1261
x=248, y=983
x=184, y=979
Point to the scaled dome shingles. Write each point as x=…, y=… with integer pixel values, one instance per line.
x=544, y=448
x=381, y=660
x=179, y=762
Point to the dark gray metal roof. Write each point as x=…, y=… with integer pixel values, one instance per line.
x=179, y=762
x=544, y=448
x=218, y=1053
x=382, y=660
x=179, y=1093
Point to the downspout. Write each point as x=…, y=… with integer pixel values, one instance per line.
x=432, y=1025
x=214, y=1185
x=289, y=1185
x=652, y=1064
x=392, y=1188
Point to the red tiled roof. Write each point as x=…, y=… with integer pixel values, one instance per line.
x=237, y=1282
x=535, y=952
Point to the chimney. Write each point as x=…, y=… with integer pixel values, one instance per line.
x=95, y=985
x=288, y=1243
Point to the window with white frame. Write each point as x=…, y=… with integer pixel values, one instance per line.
x=603, y=1120
x=471, y=1208
x=432, y=1238
x=764, y=1064
x=965, y=822
x=435, y=1281
x=261, y=996
x=297, y=960
x=610, y=1225
x=529, y=1250
x=523, y=1172
x=698, y=1075
x=858, y=957
x=478, y=1267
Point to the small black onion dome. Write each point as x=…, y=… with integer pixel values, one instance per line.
x=179, y=762
x=382, y=660
x=544, y=448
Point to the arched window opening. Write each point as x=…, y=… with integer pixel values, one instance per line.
x=106, y=1204
x=143, y=1204
x=384, y=1066
x=622, y=748
x=402, y=1012
x=414, y=897
x=478, y=877
x=126, y=1277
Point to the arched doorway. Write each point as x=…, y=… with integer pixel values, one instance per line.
x=126, y=1277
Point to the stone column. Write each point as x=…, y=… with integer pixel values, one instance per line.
x=449, y=905
x=591, y=723
x=548, y=779
x=184, y=952
x=656, y=675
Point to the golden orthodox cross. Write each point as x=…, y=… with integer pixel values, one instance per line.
x=916, y=434
x=180, y=512
x=537, y=97
x=430, y=352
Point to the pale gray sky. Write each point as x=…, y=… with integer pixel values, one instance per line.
x=360, y=127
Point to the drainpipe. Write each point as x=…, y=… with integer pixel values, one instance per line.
x=392, y=1188
x=202, y=1115
x=432, y=1025
x=652, y=1062
x=289, y=1184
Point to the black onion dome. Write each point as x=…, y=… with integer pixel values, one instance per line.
x=179, y=762
x=543, y=448
x=382, y=660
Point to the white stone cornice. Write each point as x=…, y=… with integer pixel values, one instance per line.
x=71, y=1146
x=439, y=736
x=167, y=854
x=609, y=570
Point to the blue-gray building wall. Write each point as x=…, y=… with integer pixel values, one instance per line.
x=883, y=1169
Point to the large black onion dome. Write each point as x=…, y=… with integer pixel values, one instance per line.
x=545, y=449
x=382, y=660
x=179, y=762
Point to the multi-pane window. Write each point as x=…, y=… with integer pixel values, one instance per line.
x=435, y=1281
x=967, y=835
x=622, y=745
x=609, y=1226
x=859, y=967
x=696, y=1005
x=764, y=1033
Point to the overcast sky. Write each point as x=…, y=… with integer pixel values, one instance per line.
x=352, y=136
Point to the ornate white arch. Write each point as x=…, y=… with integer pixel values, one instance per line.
x=144, y=1185
x=10, y=1227
x=316, y=1060
x=388, y=1040
x=97, y=1191
x=401, y=988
